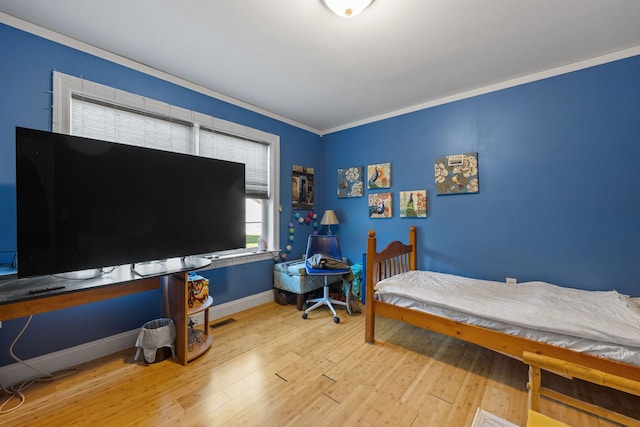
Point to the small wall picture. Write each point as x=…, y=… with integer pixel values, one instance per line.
x=351, y=182
x=457, y=174
x=379, y=176
x=413, y=204
x=380, y=205
x=302, y=187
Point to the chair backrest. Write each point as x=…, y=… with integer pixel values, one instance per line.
x=326, y=245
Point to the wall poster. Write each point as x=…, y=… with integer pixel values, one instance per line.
x=302, y=187
x=413, y=204
x=380, y=205
x=457, y=174
x=379, y=176
x=350, y=182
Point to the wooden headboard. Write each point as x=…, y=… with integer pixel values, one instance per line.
x=396, y=258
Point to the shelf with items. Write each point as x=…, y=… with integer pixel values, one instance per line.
x=198, y=337
x=191, y=340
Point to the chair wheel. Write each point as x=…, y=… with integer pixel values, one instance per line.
x=336, y=319
x=304, y=315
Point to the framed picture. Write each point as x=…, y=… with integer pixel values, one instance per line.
x=413, y=204
x=302, y=187
x=380, y=205
x=379, y=176
x=350, y=182
x=457, y=174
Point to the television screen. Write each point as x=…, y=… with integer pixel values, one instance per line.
x=85, y=204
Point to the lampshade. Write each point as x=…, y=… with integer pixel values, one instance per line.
x=329, y=218
x=347, y=8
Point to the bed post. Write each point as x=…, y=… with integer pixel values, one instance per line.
x=414, y=249
x=370, y=319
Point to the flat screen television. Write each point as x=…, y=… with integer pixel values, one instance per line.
x=87, y=204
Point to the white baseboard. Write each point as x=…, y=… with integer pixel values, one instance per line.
x=67, y=358
x=235, y=306
x=231, y=307
x=70, y=357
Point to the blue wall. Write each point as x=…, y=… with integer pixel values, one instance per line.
x=26, y=65
x=558, y=200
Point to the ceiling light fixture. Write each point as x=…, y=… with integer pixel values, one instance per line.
x=347, y=8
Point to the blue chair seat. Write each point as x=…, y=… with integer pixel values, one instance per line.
x=326, y=271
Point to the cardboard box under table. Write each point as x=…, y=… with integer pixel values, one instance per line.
x=292, y=277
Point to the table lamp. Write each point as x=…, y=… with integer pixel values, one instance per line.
x=329, y=218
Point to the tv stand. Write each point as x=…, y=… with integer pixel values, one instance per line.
x=24, y=297
x=55, y=293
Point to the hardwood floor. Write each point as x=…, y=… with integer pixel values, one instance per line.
x=270, y=367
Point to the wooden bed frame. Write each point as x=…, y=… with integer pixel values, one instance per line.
x=538, y=363
x=398, y=257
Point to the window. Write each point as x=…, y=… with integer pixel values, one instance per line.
x=92, y=110
x=254, y=221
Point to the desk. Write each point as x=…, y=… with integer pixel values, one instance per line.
x=16, y=300
x=72, y=295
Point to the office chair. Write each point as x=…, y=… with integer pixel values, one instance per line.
x=327, y=247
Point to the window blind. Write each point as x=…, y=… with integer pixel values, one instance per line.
x=254, y=154
x=97, y=119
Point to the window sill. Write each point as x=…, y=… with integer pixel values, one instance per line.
x=239, y=258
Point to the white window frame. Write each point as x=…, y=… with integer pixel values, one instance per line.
x=65, y=86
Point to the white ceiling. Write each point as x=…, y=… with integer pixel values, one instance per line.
x=299, y=62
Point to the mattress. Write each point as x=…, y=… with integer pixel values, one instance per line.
x=605, y=324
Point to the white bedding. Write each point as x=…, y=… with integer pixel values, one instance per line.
x=602, y=323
